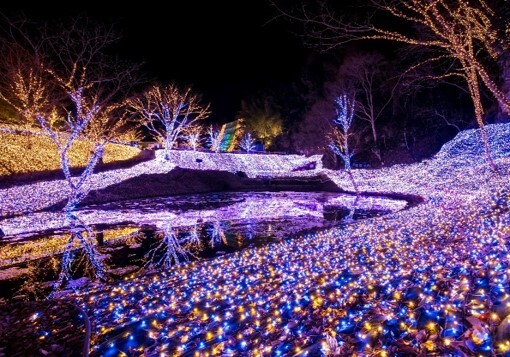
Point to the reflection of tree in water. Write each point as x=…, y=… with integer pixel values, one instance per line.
x=31, y=288
x=171, y=246
x=217, y=234
x=194, y=237
x=80, y=251
x=352, y=209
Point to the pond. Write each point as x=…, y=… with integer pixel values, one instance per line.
x=43, y=251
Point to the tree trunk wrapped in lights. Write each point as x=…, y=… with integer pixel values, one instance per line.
x=247, y=143
x=368, y=76
x=465, y=32
x=214, y=138
x=193, y=136
x=67, y=85
x=339, y=139
x=167, y=112
x=70, y=87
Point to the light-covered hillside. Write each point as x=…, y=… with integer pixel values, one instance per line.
x=22, y=153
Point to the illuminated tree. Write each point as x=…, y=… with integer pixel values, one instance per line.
x=261, y=117
x=214, y=138
x=68, y=86
x=247, y=143
x=26, y=93
x=339, y=138
x=193, y=136
x=131, y=134
x=366, y=75
x=464, y=32
x=68, y=78
x=166, y=111
x=23, y=86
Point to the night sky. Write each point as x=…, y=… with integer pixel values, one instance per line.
x=225, y=49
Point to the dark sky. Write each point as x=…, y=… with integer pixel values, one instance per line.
x=223, y=48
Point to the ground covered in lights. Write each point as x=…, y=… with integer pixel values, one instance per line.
x=430, y=280
x=438, y=284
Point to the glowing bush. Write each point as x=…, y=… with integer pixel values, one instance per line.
x=22, y=153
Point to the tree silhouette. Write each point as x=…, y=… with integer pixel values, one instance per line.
x=167, y=111
x=465, y=33
x=70, y=87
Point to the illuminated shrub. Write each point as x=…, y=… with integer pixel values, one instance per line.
x=23, y=153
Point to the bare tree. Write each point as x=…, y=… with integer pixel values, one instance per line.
x=214, y=138
x=247, y=143
x=464, y=32
x=310, y=136
x=68, y=78
x=166, y=111
x=193, y=136
x=339, y=139
x=366, y=75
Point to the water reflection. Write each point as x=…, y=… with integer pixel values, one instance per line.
x=49, y=250
x=80, y=241
x=168, y=251
x=217, y=234
x=189, y=209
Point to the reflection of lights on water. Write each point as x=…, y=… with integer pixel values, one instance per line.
x=46, y=193
x=365, y=280
x=238, y=206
